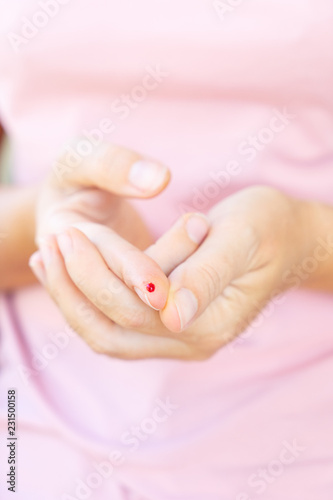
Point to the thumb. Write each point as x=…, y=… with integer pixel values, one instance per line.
x=111, y=168
x=198, y=281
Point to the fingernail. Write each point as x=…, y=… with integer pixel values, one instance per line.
x=36, y=264
x=187, y=306
x=197, y=227
x=146, y=175
x=46, y=250
x=144, y=297
x=64, y=243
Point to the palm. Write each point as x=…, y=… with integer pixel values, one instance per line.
x=93, y=206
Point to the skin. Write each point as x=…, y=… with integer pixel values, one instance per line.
x=238, y=264
x=17, y=228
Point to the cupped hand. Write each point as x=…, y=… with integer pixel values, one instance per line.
x=87, y=273
x=94, y=194
x=217, y=286
x=256, y=238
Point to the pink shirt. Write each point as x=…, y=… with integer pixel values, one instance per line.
x=228, y=96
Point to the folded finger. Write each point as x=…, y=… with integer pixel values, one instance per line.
x=198, y=281
x=179, y=242
x=138, y=271
x=101, y=334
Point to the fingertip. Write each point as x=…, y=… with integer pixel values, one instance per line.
x=74, y=239
x=170, y=318
x=37, y=266
x=180, y=310
x=35, y=259
x=153, y=291
x=149, y=178
x=197, y=227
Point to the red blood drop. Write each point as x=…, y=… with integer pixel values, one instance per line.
x=150, y=287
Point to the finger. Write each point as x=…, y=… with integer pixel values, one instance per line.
x=205, y=275
x=37, y=266
x=179, y=242
x=112, y=168
x=138, y=271
x=103, y=288
x=93, y=326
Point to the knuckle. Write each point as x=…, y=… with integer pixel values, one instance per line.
x=96, y=347
x=211, y=279
x=102, y=342
x=101, y=346
x=133, y=319
x=77, y=274
x=104, y=300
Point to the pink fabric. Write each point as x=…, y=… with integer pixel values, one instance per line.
x=230, y=76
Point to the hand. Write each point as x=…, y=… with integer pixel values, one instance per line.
x=93, y=194
x=215, y=292
x=101, y=307
x=257, y=236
